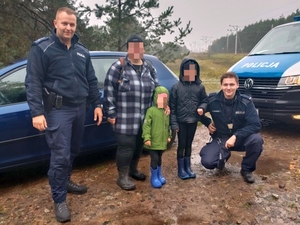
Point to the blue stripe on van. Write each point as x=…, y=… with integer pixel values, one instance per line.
x=265, y=65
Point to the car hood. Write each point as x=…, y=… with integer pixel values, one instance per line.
x=265, y=66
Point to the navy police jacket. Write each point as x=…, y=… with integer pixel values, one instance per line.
x=67, y=72
x=244, y=118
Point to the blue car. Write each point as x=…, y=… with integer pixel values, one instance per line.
x=22, y=145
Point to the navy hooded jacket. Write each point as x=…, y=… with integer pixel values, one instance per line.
x=186, y=97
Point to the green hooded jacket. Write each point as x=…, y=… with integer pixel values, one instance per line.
x=156, y=124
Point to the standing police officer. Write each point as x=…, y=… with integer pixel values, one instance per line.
x=60, y=77
x=235, y=127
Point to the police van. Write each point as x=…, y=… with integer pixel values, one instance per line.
x=270, y=74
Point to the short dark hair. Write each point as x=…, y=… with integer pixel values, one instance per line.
x=229, y=75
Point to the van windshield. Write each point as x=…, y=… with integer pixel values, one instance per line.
x=280, y=40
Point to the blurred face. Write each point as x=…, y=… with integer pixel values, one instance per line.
x=229, y=87
x=135, y=50
x=162, y=100
x=190, y=74
x=65, y=25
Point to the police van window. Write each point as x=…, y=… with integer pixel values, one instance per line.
x=101, y=66
x=12, y=88
x=279, y=40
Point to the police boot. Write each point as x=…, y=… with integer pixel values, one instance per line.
x=155, y=182
x=187, y=167
x=134, y=173
x=160, y=176
x=123, y=180
x=62, y=212
x=181, y=171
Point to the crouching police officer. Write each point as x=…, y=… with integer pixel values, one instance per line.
x=235, y=127
x=60, y=77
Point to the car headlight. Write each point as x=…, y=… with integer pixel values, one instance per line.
x=290, y=81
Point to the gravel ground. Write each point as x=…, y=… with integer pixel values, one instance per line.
x=212, y=198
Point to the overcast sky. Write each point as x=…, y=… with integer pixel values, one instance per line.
x=211, y=19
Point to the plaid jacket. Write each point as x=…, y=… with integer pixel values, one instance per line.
x=127, y=96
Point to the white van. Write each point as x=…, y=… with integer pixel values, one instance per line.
x=270, y=74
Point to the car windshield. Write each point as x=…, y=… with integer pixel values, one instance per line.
x=280, y=40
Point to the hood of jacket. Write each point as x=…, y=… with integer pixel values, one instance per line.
x=159, y=90
x=185, y=65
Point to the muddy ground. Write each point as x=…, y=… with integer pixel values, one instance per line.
x=211, y=198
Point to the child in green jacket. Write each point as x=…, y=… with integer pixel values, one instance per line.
x=156, y=134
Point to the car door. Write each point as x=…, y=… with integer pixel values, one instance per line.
x=20, y=143
x=102, y=136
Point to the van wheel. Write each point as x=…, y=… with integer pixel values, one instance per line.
x=172, y=139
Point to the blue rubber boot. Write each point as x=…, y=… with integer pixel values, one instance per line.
x=187, y=167
x=155, y=182
x=181, y=171
x=160, y=176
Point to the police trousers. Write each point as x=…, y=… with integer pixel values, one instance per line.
x=64, y=133
x=252, y=145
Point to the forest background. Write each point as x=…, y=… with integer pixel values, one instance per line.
x=22, y=22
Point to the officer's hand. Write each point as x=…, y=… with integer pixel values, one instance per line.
x=98, y=115
x=39, y=122
x=200, y=111
x=169, y=139
x=111, y=120
x=230, y=142
x=211, y=128
x=148, y=143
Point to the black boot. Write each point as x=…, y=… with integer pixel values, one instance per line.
x=187, y=167
x=76, y=188
x=248, y=176
x=134, y=173
x=123, y=180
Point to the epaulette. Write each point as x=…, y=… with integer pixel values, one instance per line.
x=246, y=99
x=41, y=40
x=212, y=96
x=82, y=44
x=85, y=48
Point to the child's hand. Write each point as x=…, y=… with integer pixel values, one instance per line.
x=148, y=143
x=200, y=111
x=169, y=139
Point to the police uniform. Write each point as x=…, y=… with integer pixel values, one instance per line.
x=238, y=117
x=69, y=75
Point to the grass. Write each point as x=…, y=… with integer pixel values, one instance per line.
x=212, y=66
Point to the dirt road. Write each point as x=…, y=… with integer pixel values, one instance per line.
x=211, y=198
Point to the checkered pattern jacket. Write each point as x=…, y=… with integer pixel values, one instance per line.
x=127, y=96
